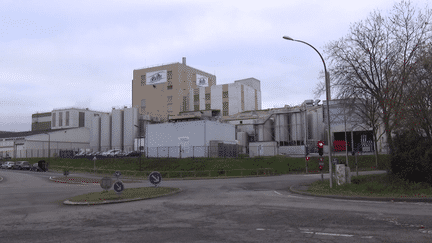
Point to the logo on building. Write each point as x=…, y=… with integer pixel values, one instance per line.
x=201, y=81
x=156, y=77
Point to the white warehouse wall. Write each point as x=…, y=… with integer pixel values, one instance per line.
x=164, y=140
x=219, y=131
x=74, y=135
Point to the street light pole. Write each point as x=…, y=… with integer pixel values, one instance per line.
x=305, y=136
x=328, y=107
x=139, y=146
x=49, y=148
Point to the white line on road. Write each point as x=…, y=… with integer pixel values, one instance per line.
x=318, y=233
x=321, y=233
x=290, y=195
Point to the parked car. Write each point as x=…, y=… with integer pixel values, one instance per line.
x=21, y=165
x=111, y=153
x=40, y=166
x=115, y=153
x=8, y=165
x=35, y=167
x=80, y=154
x=133, y=154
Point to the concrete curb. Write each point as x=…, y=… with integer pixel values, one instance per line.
x=54, y=179
x=67, y=202
x=296, y=189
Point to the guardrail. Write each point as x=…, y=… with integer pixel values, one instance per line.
x=125, y=173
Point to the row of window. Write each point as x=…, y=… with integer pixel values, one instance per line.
x=81, y=119
x=60, y=119
x=207, y=96
x=186, y=104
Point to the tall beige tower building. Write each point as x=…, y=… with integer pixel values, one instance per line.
x=167, y=90
x=164, y=90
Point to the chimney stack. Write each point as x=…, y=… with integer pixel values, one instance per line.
x=184, y=61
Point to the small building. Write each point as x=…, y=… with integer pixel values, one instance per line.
x=43, y=143
x=189, y=139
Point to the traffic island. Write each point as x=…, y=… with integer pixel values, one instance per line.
x=127, y=195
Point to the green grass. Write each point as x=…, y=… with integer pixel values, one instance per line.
x=381, y=185
x=129, y=193
x=206, y=167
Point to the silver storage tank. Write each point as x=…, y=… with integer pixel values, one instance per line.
x=95, y=131
x=106, y=132
x=281, y=128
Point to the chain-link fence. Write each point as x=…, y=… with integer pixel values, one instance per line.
x=40, y=153
x=219, y=151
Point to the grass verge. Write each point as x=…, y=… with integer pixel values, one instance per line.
x=382, y=185
x=129, y=193
x=207, y=167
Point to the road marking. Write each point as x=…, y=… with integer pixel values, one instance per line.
x=290, y=195
x=331, y=234
x=319, y=233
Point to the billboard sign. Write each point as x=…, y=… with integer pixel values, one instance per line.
x=202, y=81
x=156, y=77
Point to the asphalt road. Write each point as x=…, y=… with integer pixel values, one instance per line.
x=256, y=209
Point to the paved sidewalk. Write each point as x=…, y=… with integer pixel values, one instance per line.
x=302, y=189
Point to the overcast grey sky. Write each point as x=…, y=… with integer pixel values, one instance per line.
x=58, y=54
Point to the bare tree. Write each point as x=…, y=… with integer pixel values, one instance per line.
x=418, y=98
x=368, y=111
x=374, y=59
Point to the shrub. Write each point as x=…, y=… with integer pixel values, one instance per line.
x=241, y=156
x=412, y=158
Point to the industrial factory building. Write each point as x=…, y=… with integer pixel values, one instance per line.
x=180, y=111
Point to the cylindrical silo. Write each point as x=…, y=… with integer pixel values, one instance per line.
x=117, y=129
x=130, y=131
x=95, y=131
x=296, y=131
x=105, y=132
x=281, y=128
x=268, y=136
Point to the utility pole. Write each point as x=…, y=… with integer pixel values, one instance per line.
x=139, y=127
